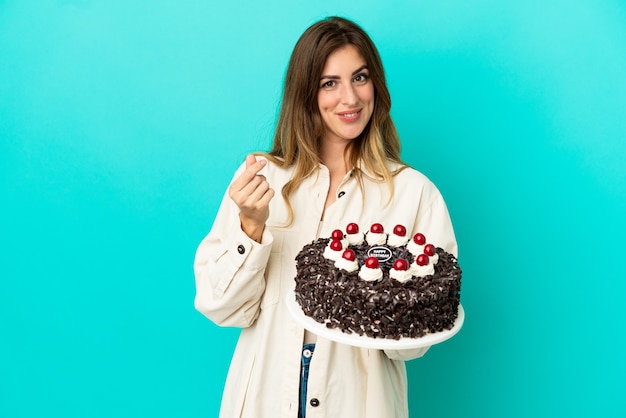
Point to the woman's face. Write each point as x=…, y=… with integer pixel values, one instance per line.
x=346, y=95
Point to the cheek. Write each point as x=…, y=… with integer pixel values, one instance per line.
x=368, y=93
x=326, y=100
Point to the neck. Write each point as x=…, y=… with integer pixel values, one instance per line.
x=332, y=155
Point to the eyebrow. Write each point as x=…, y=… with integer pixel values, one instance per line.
x=336, y=77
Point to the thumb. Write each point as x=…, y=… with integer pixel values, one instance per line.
x=250, y=159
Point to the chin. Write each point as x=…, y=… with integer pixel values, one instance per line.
x=353, y=134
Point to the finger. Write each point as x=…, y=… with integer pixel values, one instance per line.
x=247, y=189
x=250, y=159
x=264, y=201
x=259, y=203
x=251, y=195
x=248, y=174
x=248, y=196
x=257, y=192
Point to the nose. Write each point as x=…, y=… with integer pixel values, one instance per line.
x=349, y=95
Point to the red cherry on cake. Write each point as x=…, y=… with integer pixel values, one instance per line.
x=400, y=264
x=376, y=229
x=429, y=250
x=422, y=260
x=352, y=228
x=399, y=230
x=371, y=262
x=349, y=255
x=337, y=234
x=419, y=239
x=335, y=245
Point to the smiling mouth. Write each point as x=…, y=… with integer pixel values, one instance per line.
x=349, y=115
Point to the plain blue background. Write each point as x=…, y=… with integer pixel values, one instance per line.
x=121, y=123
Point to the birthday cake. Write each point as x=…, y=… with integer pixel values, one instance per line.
x=378, y=285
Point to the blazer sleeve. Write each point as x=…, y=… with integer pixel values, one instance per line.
x=229, y=270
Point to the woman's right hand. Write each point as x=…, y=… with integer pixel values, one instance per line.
x=252, y=194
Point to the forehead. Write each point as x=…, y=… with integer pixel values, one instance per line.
x=345, y=59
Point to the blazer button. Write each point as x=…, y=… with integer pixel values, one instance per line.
x=315, y=402
x=241, y=249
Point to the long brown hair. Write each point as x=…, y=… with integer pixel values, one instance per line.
x=300, y=128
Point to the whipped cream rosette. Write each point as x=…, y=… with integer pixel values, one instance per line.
x=370, y=270
x=398, y=238
x=376, y=235
x=333, y=250
x=416, y=245
x=347, y=261
x=400, y=271
x=422, y=266
x=353, y=236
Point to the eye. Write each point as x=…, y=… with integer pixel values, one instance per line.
x=329, y=84
x=361, y=78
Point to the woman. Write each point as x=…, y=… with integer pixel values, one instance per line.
x=335, y=160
